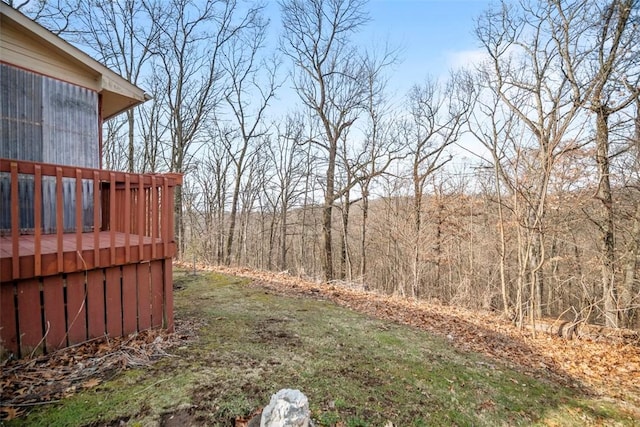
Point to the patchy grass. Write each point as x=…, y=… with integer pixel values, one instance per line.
x=355, y=370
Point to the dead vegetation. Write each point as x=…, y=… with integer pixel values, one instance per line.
x=608, y=366
x=49, y=378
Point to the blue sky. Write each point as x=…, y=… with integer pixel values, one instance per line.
x=435, y=35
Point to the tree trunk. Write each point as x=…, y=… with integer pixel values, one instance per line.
x=506, y=306
x=631, y=267
x=604, y=195
x=438, y=246
x=179, y=222
x=417, y=212
x=344, y=246
x=363, y=235
x=232, y=223
x=327, y=212
x=537, y=276
x=283, y=237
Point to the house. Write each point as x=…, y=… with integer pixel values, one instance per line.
x=84, y=252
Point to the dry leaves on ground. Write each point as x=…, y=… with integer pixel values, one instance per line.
x=45, y=379
x=608, y=368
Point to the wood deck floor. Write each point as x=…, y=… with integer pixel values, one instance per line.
x=111, y=249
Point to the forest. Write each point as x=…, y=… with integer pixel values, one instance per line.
x=353, y=186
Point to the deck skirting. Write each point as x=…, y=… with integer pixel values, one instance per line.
x=43, y=314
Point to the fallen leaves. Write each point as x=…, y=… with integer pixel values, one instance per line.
x=8, y=413
x=251, y=420
x=93, y=382
x=29, y=382
x=610, y=368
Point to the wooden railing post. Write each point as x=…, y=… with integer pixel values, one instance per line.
x=79, y=221
x=60, y=218
x=15, y=222
x=167, y=204
x=96, y=218
x=112, y=216
x=171, y=214
x=140, y=207
x=127, y=218
x=37, y=206
x=154, y=216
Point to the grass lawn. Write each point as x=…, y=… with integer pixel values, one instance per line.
x=355, y=370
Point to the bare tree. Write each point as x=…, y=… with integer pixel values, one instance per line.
x=437, y=115
x=492, y=124
x=329, y=79
x=189, y=55
x=124, y=34
x=381, y=145
x=630, y=292
x=152, y=125
x=526, y=74
x=252, y=86
x=55, y=15
x=213, y=175
x=288, y=159
x=606, y=82
x=114, y=152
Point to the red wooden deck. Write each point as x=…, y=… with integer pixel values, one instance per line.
x=64, y=288
x=119, y=249
x=131, y=217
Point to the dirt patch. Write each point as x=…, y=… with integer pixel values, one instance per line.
x=180, y=418
x=367, y=378
x=274, y=331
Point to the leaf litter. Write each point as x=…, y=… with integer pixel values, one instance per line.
x=30, y=382
x=609, y=368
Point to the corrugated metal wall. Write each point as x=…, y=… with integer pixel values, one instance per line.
x=47, y=120
x=69, y=124
x=20, y=114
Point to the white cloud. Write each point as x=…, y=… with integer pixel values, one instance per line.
x=466, y=58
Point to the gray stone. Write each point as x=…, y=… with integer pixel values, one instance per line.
x=287, y=408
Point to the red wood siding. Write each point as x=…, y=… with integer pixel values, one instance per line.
x=134, y=302
x=54, y=319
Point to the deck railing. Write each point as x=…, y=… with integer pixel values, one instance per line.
x=138, y=207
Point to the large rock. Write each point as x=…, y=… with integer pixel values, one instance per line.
x=287, y=408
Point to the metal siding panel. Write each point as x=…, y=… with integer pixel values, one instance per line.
x=43, y=119
x=25, y=198
x=5, y=201
x=70, y=116
x=49, y=200
x=26, y=201
x=69, y=197
x=20, y=114
x=71, y=138
x=87, y=205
